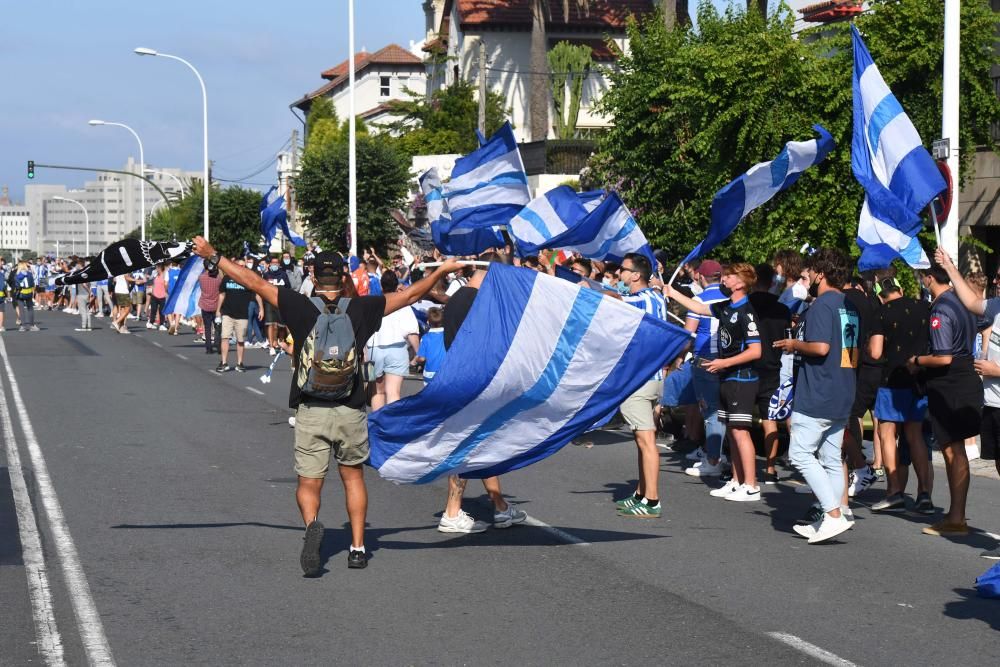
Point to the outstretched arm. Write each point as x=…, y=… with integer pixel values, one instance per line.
x=973, y=302
x=686, y=301
x=241, y=274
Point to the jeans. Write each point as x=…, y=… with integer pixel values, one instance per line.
x=81, y=305
x=814, y=450
x=254, y=334
x=156, y=308
x=27, y=312
x=103, y=298
x=208, y=320
x=706, y=389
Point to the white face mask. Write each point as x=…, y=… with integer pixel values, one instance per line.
x=249, y=265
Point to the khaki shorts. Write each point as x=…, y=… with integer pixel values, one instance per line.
x=637, y=409
x=123, y=300
x=320, y=429
x=234, y=327
x=138, y=298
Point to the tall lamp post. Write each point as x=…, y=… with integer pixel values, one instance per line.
x=204, y=112
x=142, y=168
x=86, y=224
x=167, y=173
x=950, y=117
x=352, y=155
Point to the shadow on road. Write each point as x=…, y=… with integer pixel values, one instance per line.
x=973, y=607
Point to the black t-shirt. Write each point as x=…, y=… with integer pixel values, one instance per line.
x=868, y=322
x=773, y=317
x=277, y=278
x=903, y=323
x=455, y=311
x=300, y=315
x=737, y=329
x=237, y=301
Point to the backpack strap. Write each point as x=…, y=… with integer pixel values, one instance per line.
x=344, y=303
x=320, y=304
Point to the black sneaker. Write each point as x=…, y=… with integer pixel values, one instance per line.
x=357, y=560
x=240, y=368
x=893, y=503
x=222, y=368
x=924, y=504
x=771, y=478
x=313, y=540
x=814, y=514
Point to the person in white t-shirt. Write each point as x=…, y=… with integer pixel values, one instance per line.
x=388, y=347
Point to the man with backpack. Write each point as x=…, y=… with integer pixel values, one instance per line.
x=327, y=390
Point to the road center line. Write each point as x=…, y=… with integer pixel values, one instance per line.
x=811, y=650
x=46, y=632
x=156, y=343
x=181, y=356
x=92, y=636
x=256, y=391
x=557, y=533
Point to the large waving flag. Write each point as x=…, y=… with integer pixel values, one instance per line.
x=889, y=160
x=273, y=217
x=549, y=215
x=488, y=187
x=184, y=297
x=758, y=186
x=536, y=363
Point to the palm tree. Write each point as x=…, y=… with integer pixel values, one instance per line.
x=540, y=89
x=675, y=13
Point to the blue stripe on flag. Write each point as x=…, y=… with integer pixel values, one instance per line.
x=883, y=114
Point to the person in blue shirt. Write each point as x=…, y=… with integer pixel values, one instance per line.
x=173, y=273
x=431, y=352
x=24, y=293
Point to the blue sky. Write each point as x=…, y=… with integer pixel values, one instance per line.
x=64, y=62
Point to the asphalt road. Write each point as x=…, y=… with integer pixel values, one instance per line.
x=167, y=534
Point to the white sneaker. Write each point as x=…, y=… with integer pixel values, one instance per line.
x=150, y=325
x=696, y=455
x=163, y=328
x=807, y=531
x=131, y=317
x=291, y=422
x=704, y=469
x=509, y=516
x=859, y=480
x=271, y=351
x=99, y=316
x=724, y=490
x=462, y=523
x=848, y=514
x=830, y=528
x=744, y=493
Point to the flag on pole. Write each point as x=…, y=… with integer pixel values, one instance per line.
x=536, y=363
x=891, y=164
x=549, y=215
x=183, y=299
x=758, y=186
x=488, y=187
x=273, y=217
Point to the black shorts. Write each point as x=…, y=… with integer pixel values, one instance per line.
x=990, y=434
x=869, y=380
x=767, y=384
x=955, y=404
x=736, y=401
x=272, y=315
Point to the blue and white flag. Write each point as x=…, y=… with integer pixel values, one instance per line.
x=183, y=299
x=758, y=186
x=550, y=215
x=608, y=233
x=891, y=164
x=273, y=217
x=488, y=187
x=537, y=362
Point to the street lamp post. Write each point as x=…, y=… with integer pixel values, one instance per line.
x=204, y=111
x=142, y=182
x=352, y=155
x=86, y=224
x=166, y=173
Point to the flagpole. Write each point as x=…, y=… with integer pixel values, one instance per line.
x=950, y=120
x=352, y=158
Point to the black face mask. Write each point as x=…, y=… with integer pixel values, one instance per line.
x=725, y=291
x=814, y=289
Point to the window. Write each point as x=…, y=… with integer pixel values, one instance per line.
x=383, y=88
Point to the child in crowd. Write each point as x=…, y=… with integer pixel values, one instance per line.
x=431, y=352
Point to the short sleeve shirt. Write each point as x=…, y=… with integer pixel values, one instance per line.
x=991, y=385
x=737, y=329
x=652, y=303
x=237, y=302
x=903, y=323
x=300, y=315
x=773, y=318
x=952, y=327
x=824, y=387
x=705, y=341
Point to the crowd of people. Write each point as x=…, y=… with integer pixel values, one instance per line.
x=801, y=345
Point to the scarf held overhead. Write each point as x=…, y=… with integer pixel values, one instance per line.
x=124, y=257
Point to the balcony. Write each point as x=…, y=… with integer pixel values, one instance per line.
x=556, y=156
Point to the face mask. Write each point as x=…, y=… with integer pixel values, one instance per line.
x=274, y=269
x=725, y=291
x=779, y=280
x=606, y=283
x=814, y=289
x=250, y=265
x=621, y=287
x=286, y=262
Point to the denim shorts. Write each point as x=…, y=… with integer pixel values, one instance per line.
x=678, y=388
x=392, y=359
x=900, y=405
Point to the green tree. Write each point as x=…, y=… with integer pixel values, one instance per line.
x=570, y=67
x=321, y=111
x=694, y=109
x=538, y=84
x=234, y=217
x=322, y=187
x=447, y=123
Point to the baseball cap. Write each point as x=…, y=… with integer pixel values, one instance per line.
x=328, y=264
x=709, y=267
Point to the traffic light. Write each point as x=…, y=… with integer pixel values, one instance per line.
x=31, y=168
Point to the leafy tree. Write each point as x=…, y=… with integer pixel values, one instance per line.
x=447, y=123
x=322, y=187
x=695, y=109
x=538, y=90
x=570, y=67
x=321, y=113
x=234, y=217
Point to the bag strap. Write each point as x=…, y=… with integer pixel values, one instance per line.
x=320, y=304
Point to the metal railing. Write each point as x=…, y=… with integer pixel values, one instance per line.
x=556, y=156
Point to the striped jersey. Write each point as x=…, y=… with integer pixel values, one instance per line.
x=652, y=302
x=706, y=342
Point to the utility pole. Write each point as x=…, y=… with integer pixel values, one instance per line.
x=290, y=180
x=482, y=87
x=949, y=118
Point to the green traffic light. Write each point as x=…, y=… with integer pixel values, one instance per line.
x=31, y=169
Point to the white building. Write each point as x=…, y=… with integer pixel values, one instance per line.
x=15, y=222
x=112, y=203
x=455, y=29
x=380, y=78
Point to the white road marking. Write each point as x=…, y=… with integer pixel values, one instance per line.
x=181, y=356
x=559, y=534
x=157, y=344
x=88, y=620
x=994, y=536
x=47, y=633
x=256, y=391
x=811, y=650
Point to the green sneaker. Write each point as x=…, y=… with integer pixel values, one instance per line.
x=625, y=503
x=641, y=511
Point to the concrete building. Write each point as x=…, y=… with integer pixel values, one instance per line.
x=15, y=222
x=113, y=206
x=380, y=78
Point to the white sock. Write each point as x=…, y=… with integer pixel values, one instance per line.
x=361, y=548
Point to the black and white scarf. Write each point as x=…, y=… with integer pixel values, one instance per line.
x=124, y=257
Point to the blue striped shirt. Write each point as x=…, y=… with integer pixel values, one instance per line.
x=706, y=342
x=652, y=303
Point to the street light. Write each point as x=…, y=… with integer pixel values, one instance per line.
x=166, y=173
x=142, y=181
x=204, y=112
x=86, y=224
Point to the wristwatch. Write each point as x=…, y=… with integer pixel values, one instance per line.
x=213, y=262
